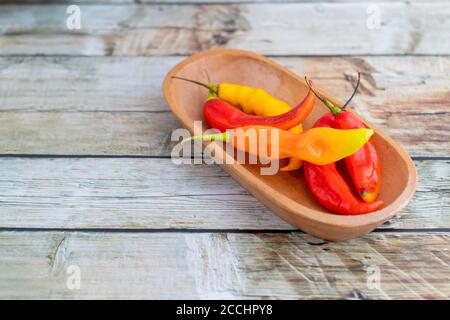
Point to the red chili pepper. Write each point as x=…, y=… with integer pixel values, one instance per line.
x=364, y=166
x=223, y=116
x=329, y=187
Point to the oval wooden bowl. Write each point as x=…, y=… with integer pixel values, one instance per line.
x=286, y=192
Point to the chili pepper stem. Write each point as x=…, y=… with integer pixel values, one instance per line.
x=335, y=110
x=222, y=136
x=354, y=92
x=213, y=89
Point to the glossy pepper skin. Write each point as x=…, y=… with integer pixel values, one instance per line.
x=318, y=145
x=252, y=101
x=329, y=187
x=222, y=116
x=364, y=166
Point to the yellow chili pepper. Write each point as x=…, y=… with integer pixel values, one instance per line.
x=318, y=145
x=259, y=102
x=253, y=101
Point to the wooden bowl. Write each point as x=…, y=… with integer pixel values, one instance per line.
x=286, y=193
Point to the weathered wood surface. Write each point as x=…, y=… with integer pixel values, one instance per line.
x=223, y=266
x=69, y=105
x=269, y=28
x=157, y=194
x=114, y=105
x=96, y=133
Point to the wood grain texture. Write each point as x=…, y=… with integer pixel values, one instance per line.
x=295, y=205
x=223, y=266
x=156, y=194
x=87, y=133
x=114, y=105
x=405, y=28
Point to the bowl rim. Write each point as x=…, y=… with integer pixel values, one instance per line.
x=287, y=203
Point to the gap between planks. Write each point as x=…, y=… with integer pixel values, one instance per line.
x=187, y=231
x=130, y=156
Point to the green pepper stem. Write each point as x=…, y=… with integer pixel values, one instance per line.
x=222, y=136
x=213, y=89
x=335, y=110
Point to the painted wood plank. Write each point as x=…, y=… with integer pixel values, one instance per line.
x=90, y=133
x=122, y=193
x=223, y=266
x=314, y=29
x=114, y=105
x=70, y=84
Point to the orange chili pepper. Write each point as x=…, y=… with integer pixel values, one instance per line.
x=319, y=145
x=252, y=101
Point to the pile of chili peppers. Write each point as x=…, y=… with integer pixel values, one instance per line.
x=337, y=135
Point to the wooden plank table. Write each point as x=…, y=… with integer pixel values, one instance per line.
x=86, y=179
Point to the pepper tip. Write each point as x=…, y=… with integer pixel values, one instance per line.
x=368, y=197
x=369, y=133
